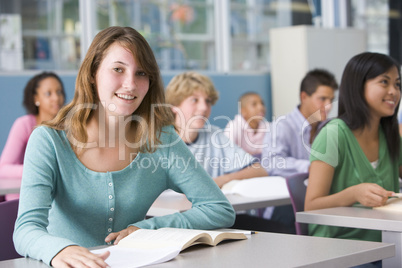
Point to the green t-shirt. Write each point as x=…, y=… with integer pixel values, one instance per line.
x=337, y=146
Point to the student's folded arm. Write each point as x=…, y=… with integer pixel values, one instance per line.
x=251, y=171
x=31, y=237
x=318, y=189
x=210, y=208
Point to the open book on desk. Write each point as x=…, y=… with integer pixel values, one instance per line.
x=145, y=247
x=258, y=187
x=393, y=204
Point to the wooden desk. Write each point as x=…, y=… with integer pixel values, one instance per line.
x=171, y=203
x=390, y=223
x=10, y=186
x=268, y=250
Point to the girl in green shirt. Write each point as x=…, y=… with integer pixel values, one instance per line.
x=356, y=157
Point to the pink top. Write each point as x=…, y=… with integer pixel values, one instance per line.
x=250, y=140
x=12, y=157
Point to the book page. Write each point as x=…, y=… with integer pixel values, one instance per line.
x=393, y=204
x=146, y=247
x=176, y=237
x=163, y=237
x=134, y=257
x=270, y=186
x=218, y=237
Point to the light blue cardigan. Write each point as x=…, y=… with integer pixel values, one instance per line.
x=63, y=203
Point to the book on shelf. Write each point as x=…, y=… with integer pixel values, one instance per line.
x=146, y=247
x=270, y=186
x=393, y=203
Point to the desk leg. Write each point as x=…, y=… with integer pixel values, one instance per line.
x=394, y=238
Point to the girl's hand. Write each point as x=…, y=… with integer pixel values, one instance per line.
x=120, y=235
x=76, y=256
x=371, y=194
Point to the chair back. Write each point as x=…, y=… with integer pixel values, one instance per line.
x=8, y=216
x=297, y=192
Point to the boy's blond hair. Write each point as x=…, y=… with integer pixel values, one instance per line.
x=185, y=84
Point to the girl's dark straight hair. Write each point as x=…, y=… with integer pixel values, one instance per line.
x=353, y=108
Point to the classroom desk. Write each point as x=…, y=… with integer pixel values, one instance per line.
x=171, y=203
x=267, y=250
x=390, y=223
x=10, y=186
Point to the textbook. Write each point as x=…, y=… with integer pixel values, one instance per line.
x=393, y=204
x=146, y=247
x=270, y=186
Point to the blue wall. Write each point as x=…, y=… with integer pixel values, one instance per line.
x=230, y=87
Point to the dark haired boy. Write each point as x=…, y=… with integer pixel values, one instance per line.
x=291, y=135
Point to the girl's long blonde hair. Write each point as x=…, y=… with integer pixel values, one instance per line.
x=73, y=117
